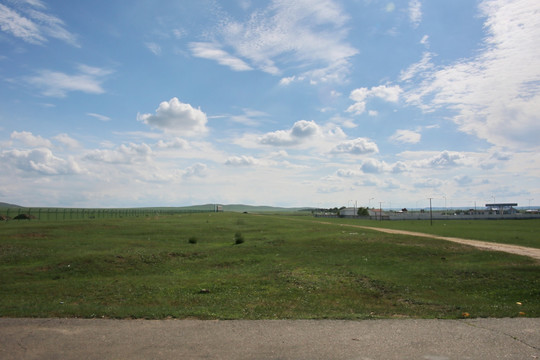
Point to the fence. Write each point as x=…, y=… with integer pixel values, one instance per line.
x=436, y=216
x=52, y=214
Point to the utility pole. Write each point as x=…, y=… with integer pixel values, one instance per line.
x=430, y=212
x=380, y=210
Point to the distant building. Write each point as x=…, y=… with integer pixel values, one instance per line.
x=351, y=211
x=502, y=208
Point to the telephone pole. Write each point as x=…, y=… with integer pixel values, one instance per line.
x=430, y=213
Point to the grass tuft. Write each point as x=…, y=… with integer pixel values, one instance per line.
x=238, y=238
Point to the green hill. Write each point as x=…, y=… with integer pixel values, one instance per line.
x=6, y=205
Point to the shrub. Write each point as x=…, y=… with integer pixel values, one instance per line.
x=238, y=238
x=192, y=240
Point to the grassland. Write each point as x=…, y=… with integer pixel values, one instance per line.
x=515, y=232
x=188, y=266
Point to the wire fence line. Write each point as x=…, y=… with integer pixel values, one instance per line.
x=53, y=214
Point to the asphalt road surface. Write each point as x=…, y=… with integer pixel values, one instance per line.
x=79, y=339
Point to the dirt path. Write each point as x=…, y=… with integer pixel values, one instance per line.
x=484, y=245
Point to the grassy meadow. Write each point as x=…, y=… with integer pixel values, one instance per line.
x=515, y=232
x=287, y=267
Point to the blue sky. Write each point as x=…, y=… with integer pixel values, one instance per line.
x=284, y=103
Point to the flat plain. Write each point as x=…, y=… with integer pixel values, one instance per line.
x=287, y=267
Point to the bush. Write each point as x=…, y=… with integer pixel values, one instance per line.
x=192, y=240
x=238, y=238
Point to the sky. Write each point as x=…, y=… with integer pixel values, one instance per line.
x=306, y=103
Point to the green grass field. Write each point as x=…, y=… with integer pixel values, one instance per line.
x=515, y=232
x=188, y=266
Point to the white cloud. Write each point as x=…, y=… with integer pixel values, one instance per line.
x=347, y=173
x=444, y=159
x=58, y=84
x=288, y=80
x=99, y=116
x=494, y=95
x=359, y=146
x=197, y=170
x=67, y=141
x=300, y=132
x=428, y=183
x=124, y=154
x=406, y=137
x=177, y=117
x=29, y=139
x=175, y=143
x=27, y=21
x=300, y=34
x=373, y=166
x=248, y=117
x=425, y=41
x=241, y=161
x=41, y=161
x=153, y=47
x=361, y=95
x=418, y=68
x=212, y=51
x=415, y=12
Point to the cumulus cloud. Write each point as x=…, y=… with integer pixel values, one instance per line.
x=300, y=132
x=241, y=161
x=67, y=141
x=373, y=166
x=88, y=79
x=124, y=154
x=29, y=21
x=29, y=139
x=197, y=170
x=41, y=161
x=428, y=183
x=361, y=95
x=406, y=137
x=359, y=146
x=444, y=159
x=495, y=94
x=175, y=116
x=348, y=173
x=175, y=143
x=304, y=34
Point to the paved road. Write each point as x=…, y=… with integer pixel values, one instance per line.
x=281, y=339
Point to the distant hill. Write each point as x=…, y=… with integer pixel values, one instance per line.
x=5, y=205
x=251, y=208
x=243, y=208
